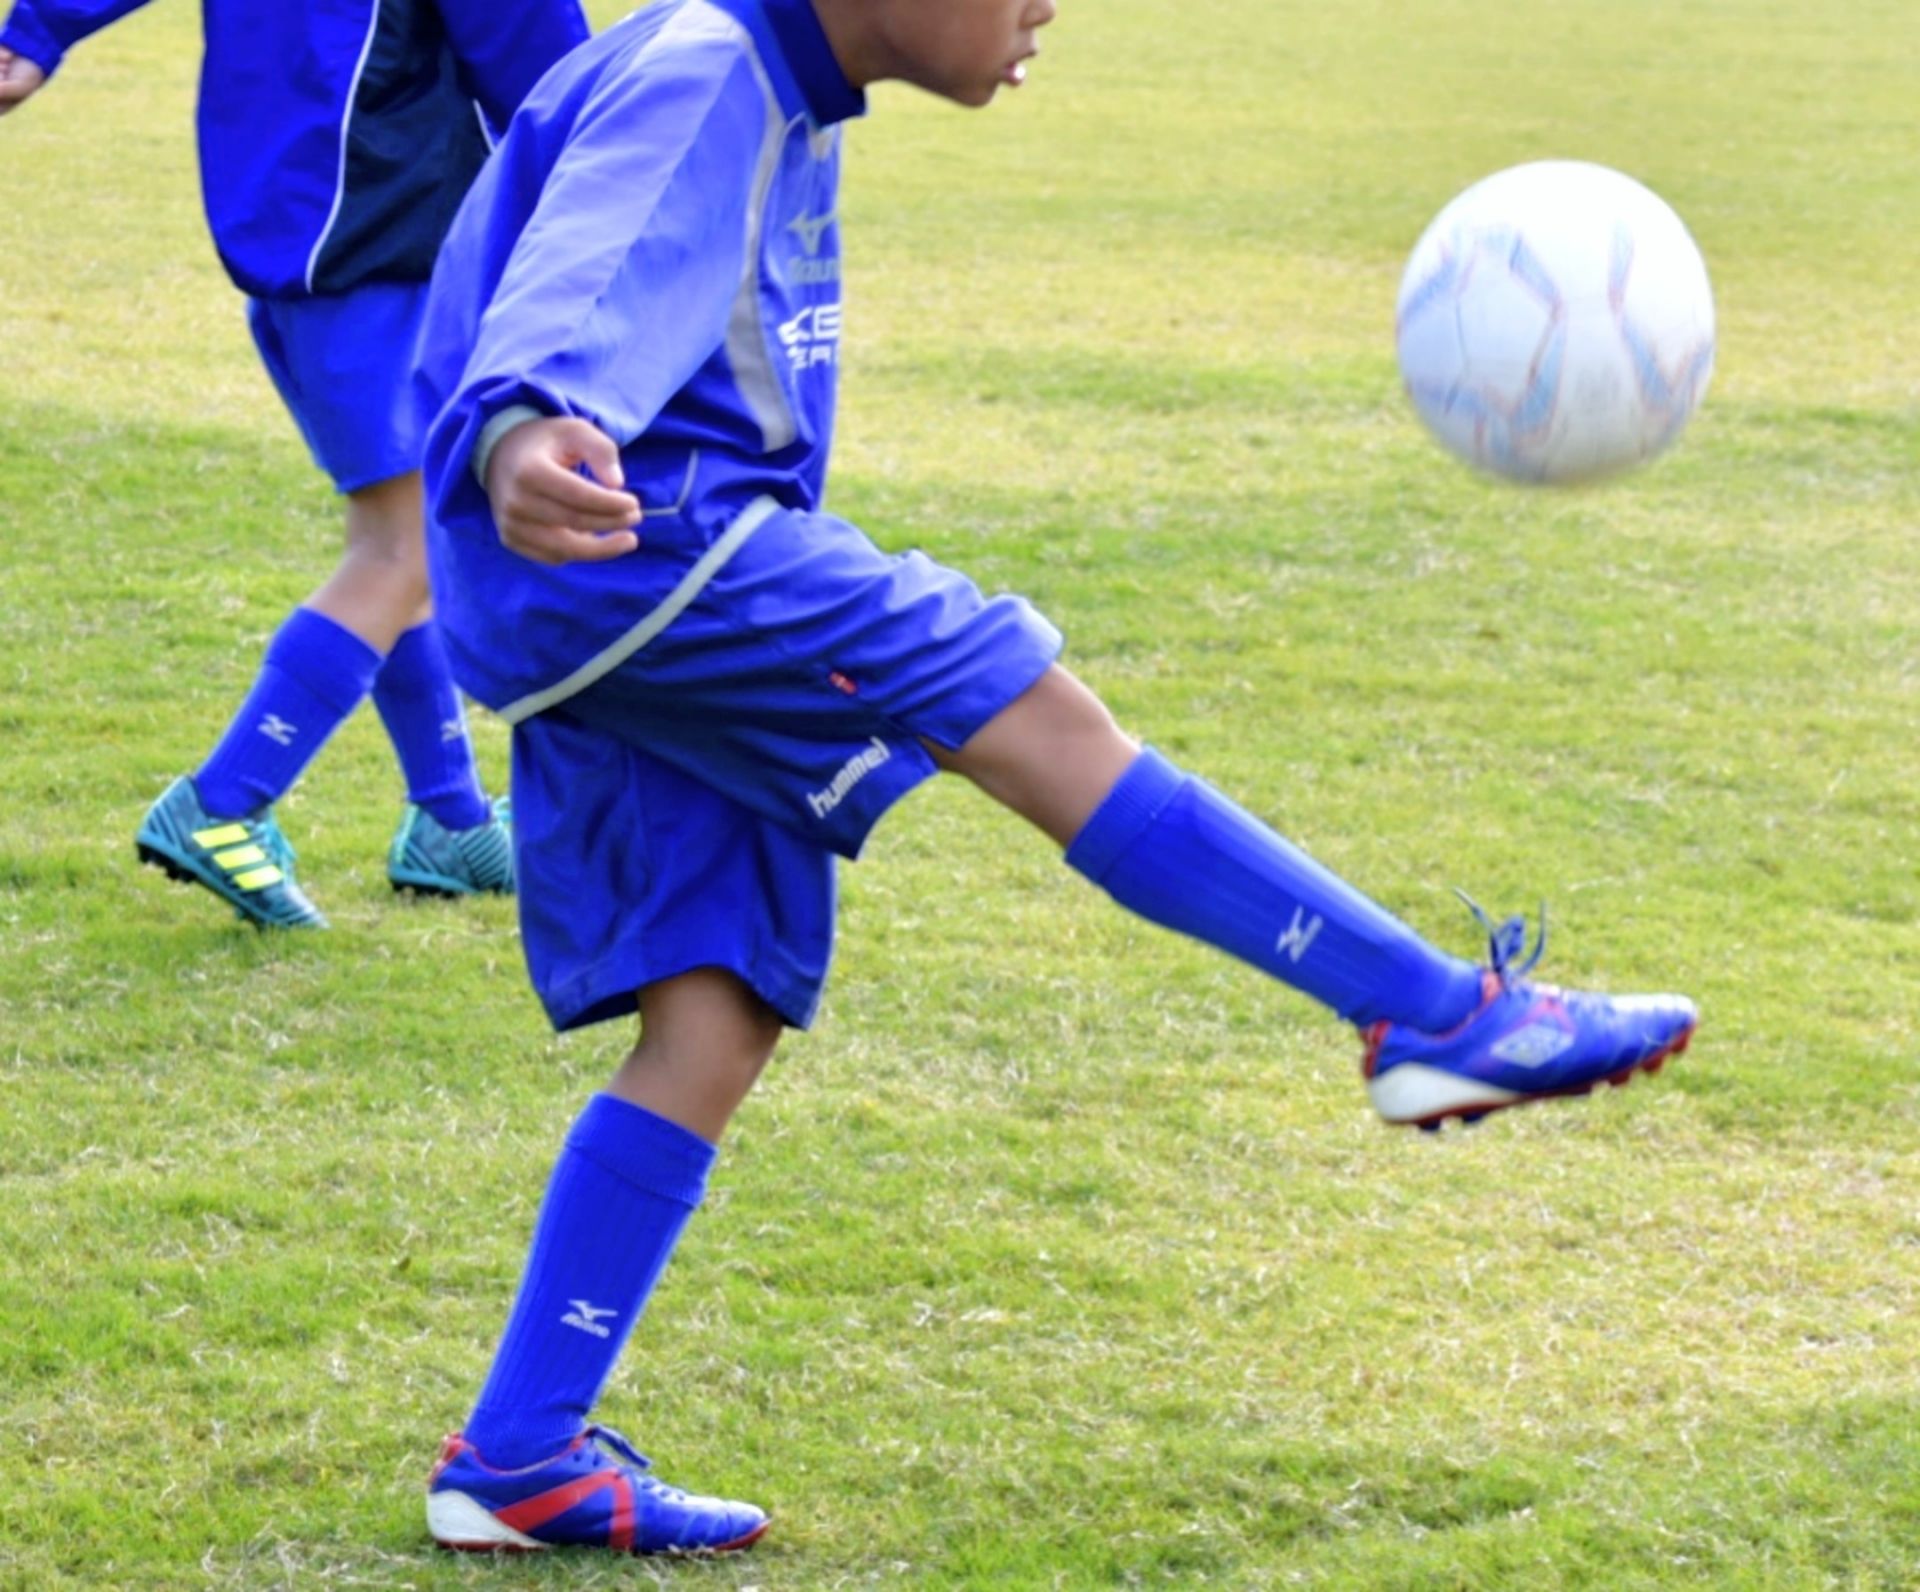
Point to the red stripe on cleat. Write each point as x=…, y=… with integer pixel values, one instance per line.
x=620, y=1531
x=747, y=1541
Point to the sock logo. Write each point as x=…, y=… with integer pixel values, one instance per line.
x=452, y=730
x=277, y=729
x=1298, y=935
x=587, y=1318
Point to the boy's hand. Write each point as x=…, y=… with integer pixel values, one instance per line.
x=19, y=77
x=545, y=509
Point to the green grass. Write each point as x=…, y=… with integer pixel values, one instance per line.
x=1061, y=1254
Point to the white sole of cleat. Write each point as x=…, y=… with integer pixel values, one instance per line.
x=462, y=1525
x=1470, y=1102
x=1413, y=1093
x=458, y=1522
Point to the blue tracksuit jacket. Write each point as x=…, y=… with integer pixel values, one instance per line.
x=652, y=248
x=338, y=136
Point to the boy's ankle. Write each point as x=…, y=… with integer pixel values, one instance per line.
x=507, y=1449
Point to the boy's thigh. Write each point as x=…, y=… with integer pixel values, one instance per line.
x=629, y=872
x=804, y=679
x=343, y=364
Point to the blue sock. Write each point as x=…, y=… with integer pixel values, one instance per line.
x=314, y=674
x=1173, y=849
x=420, y=706
x=624, y=1187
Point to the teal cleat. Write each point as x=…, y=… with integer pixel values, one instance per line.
x=429, y=857
x=245, y=861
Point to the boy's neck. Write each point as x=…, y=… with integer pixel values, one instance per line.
x=856, y=43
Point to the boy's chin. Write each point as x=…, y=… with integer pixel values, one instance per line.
x=970, y=94
x=975, y=96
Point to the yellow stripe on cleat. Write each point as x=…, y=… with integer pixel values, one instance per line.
x=225, y=835
x=260, y=878
x=239, y=857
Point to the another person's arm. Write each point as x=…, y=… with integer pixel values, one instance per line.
x=19, y=77
x=38, y=35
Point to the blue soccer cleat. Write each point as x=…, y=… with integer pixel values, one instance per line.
x=595, y=1493
x=1527, y=1042
x=246, y=861
x=429, y=857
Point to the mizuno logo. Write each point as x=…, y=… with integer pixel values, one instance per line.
x=452, y=730
x=1298, y=935
x=1532, y=1046
x=275, y=728
x=855, y=769
x=587, y=1318
x=809, y=229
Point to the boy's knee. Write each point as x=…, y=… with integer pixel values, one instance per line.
x=1057, y=718
x=387, y=520
x=391, y=551
x=1051, y=755
x=704, y=1040
x=710, y=1017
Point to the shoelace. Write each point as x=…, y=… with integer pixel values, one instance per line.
x=1507, y=943
x=611, y=1440
x=607, y=1437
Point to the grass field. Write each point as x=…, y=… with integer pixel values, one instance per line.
x=1061, y=1254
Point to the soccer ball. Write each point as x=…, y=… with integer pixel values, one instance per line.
x=1556, y=324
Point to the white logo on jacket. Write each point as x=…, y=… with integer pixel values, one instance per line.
x=810, y=229
x=812, y=336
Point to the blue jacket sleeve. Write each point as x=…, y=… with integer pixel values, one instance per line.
x=622, y=282
x=506, y=49
x=44, y=30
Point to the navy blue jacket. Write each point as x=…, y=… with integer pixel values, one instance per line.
x=337, y=137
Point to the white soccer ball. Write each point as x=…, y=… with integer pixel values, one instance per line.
x=1556, y=324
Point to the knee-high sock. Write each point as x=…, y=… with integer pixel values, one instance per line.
x=314, y=674
x=624, y=1187
x=420, y=706
x=1173, y=849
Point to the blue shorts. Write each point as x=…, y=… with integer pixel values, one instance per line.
x=344, y=366
x=687, y=808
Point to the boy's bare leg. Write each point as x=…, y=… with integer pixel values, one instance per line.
x=379, y=592
x=704, y=1040
x=379, y=588
x=1052, y=755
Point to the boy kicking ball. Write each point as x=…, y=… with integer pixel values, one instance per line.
x=635, y=323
